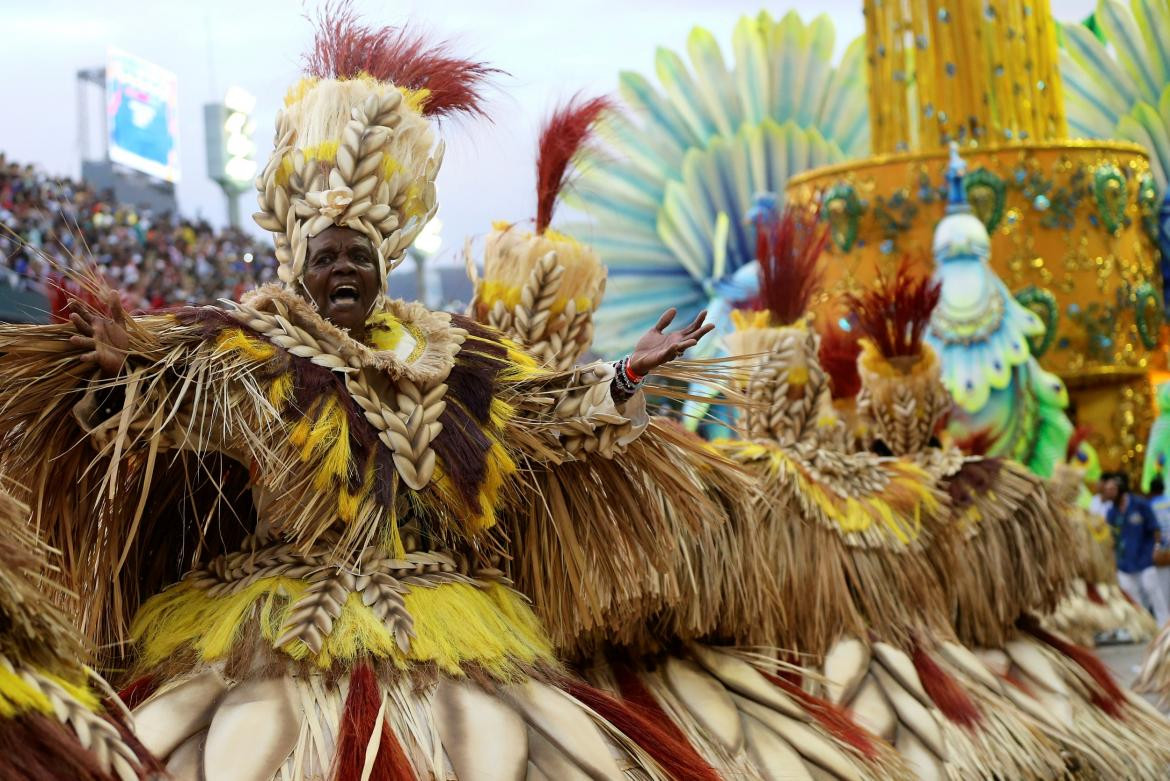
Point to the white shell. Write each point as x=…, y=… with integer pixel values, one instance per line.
x=870, y=709
x=925, y=764
x=771, y=754
x=899, y=664
x=742, y=678
x=912, y=713
x=1036, y=665
x=845, y=667
x=707, y=700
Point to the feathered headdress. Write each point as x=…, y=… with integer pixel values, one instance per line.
x=354, y=144
x=788, y=250
x=541, y=287
x=894, y=312
x=902, y=396
x=838, y=355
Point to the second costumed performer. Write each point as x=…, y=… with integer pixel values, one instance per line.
x=296, y=498
x=650, y=612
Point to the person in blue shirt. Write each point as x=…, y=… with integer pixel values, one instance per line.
x=1136, y=534
x=1160, y=504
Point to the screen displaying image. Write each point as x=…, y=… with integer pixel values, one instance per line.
x=142, y=115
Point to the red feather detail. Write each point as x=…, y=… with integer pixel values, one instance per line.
x=635, y=694
x=1093, y=594
x=894, y=312
x=835, y=720
x=789, y=250
x=138, y=691
x=1108, y=696
x=357, y=723
x=563, y=135
x=838, y=355
x=1080, y=435
x=977, y=443
x=343, y=48
x=648, y=728
x=945, y=692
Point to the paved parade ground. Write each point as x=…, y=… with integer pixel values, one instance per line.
x=1123, y=661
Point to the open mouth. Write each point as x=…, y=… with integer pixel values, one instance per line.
x=344, y=294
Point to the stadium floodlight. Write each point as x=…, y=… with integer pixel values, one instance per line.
x=231, y=153
x=239, y=99
x=430, y=238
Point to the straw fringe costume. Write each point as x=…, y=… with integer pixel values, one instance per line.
x=306, y=527
x=54, y=722
x=1005, y=566
x=863, y=527
x=1094, y=602
x=638, y=600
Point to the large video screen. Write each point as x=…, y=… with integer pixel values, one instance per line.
x=142, y=115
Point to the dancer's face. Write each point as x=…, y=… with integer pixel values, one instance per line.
x=341, y=277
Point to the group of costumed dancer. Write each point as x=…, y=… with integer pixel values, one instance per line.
x=325, y=534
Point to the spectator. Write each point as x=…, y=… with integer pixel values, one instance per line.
x=1136, y=535
x=1160, y=504
x=1099, y=505
x=157, y=261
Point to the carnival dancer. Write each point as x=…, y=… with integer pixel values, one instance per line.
x=327, y=467
x=58, y=720
x=638, y=601
x=854, y=530
x=1095, y=605
x=1006, y=564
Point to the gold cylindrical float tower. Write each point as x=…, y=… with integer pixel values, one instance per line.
x=1071, y=221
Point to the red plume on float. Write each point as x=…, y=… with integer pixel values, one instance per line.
x=344, y=48
x=894, y=312
x=977, y=443
x=1079, y=436
x=563, y=135
x=838, y=357
x=789, y=250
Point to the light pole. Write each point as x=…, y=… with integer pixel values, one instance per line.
x=231, y=153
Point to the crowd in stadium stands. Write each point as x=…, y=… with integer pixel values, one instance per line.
x=157, y=260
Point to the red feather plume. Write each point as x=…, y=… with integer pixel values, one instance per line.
x=834, y=719
x=945, y=692
x=789, y=250
x=651, y=730
x=343, y=48
x=977, y=443
x=838, y=356
x=895, y=311
x=1107, y=695
x=563, y=135
x=1080, y=435
x=358, y=719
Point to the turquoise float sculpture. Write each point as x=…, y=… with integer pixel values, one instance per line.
x=981, y=332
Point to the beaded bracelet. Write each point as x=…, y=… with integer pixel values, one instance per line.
x=625, y=381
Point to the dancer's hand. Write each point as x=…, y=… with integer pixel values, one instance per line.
x=656, y=348
x=103, y=337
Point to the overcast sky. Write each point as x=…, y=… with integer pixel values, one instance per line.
x=550, y=50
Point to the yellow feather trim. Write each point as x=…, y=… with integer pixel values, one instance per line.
x=456, y=625
x=415, y=98
x=897, y=510
x=280, y=391
x=491, y=291
x=235, y=340
x=19, y=696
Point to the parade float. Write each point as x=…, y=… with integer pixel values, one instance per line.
x=1072, y=221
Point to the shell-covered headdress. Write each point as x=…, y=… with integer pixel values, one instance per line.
x=788, y=388
x=355, y=145
x=541, y=287
x=902, y=397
